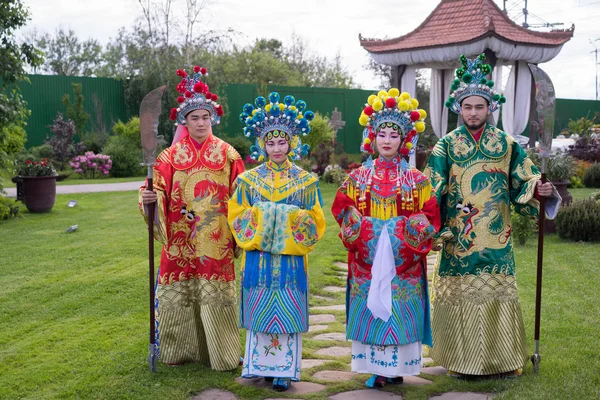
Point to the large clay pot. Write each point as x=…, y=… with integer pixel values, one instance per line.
x=39, y=193
x=561, y=188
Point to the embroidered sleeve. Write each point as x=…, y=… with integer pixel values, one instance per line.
x=347, y=215
x=162, y=178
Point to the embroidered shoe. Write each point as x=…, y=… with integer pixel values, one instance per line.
x=281, y=384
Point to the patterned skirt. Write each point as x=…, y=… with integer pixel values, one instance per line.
x=389, y=361
x=277, y=355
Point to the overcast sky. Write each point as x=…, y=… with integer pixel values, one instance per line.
x=332, y=26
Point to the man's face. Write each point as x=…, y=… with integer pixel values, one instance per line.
x=474, y=111
x=198, y=124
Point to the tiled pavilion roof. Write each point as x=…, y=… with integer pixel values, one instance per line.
x=463, y=21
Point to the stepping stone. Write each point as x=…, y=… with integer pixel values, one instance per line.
x=416, y=381
x=366, y=394
x=438, y=371
x=335, y=351
x=317, y=328
x=322, y=298
x=215, y=394
x=341, y=337
x=310, y=363
x=463, y=396
x=295, y=387
x=334, y=375
x=321, y=319
x=341, y=265
x=337, y=307
x=426, y=360
x=334, y=289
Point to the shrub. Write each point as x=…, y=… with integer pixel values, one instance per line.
x=586, y=148
x=95, y=141
x=89, y=165
x=344, y=160
x=240, y=143
x=580, y=221
x=125, y=156
x=8, y=208
x=559, y=167
x=595, y=196
x=62, y=141
x=591, y=178
x=321, y=155
x=581, y=126
x=523, y=227
x=129, y=130
x=320, y=133
x=43, y=151
x=12, y=139
x=335, y=175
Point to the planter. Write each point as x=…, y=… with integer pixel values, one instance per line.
x=561, y=188
x=38, y=192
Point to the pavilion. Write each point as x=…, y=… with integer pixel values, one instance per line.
x=469, y=27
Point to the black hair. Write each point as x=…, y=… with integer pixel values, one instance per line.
x=486, y=100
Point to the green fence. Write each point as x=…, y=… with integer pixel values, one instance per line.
x=103, y=100
x=349, y=102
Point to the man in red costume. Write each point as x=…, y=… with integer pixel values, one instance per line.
x=196, y=313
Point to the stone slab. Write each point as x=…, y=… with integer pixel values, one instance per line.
x=426, y=360
x=322, y=298
x=369, y=394
x=295, y=387
x=321, y=319
x=310, y=363
x=416, y=381
x=337, y=307
x=463, y=396
x=341, y=265
x=339, y=337
x=215, y=394
x=334, y=376
x=335, y=351
x=317, y=328
x=438, y=371
x=334, y=289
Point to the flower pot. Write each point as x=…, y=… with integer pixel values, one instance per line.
x=39, y=193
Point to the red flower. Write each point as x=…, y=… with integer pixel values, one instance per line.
x=28, y=162
x=275, y=343
x=44, y=159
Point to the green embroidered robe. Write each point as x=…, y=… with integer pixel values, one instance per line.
x=477, y=324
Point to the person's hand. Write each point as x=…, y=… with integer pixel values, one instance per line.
x=149, y=197
x=437, y=246
x=544, y=189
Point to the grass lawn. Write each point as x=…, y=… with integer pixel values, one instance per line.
x=73, y=311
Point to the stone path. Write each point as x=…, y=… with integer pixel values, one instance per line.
x=339, y=351
x=89, y=188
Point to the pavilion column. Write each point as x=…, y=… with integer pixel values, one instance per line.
x=441, y=79
x=404, y=77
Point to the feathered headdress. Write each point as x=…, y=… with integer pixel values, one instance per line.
x=471, y=81
x=265, y=121
x=394, y=109
x=194, y=95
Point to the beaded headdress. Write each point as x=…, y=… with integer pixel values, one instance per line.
x=396, y=110
x=266, y=120
x=194, y=95
x=471, y=81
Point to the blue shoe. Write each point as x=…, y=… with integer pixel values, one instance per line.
x=376, y=381
x=281, y=384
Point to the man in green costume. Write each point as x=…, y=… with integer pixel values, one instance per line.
x=478, y=172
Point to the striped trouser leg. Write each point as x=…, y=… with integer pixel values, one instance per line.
x=222, y=335
x=181, y=335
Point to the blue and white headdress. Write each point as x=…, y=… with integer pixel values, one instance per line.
x=266, y=121
x=471, y=81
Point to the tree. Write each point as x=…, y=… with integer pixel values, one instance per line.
x=14, y=59
x=75, y=110
x=67, y=55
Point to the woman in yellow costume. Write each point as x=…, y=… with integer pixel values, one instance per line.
x=276, y=218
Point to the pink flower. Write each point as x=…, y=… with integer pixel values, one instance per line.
x=248, y=233
x=299, y=237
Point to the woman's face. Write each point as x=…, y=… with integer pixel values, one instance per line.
x=277, y=149
x=388, y=142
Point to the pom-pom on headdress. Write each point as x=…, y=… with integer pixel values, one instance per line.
x=471, y=81
x=392, y=109
x=194, y=95
x=269, y=119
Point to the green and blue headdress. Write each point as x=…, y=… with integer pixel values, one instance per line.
x=471, y=80
x=267, y=120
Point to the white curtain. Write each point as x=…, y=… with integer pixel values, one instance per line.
x=408, y=82
x=441, y=79
x=497, y=78
x=515, y=112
